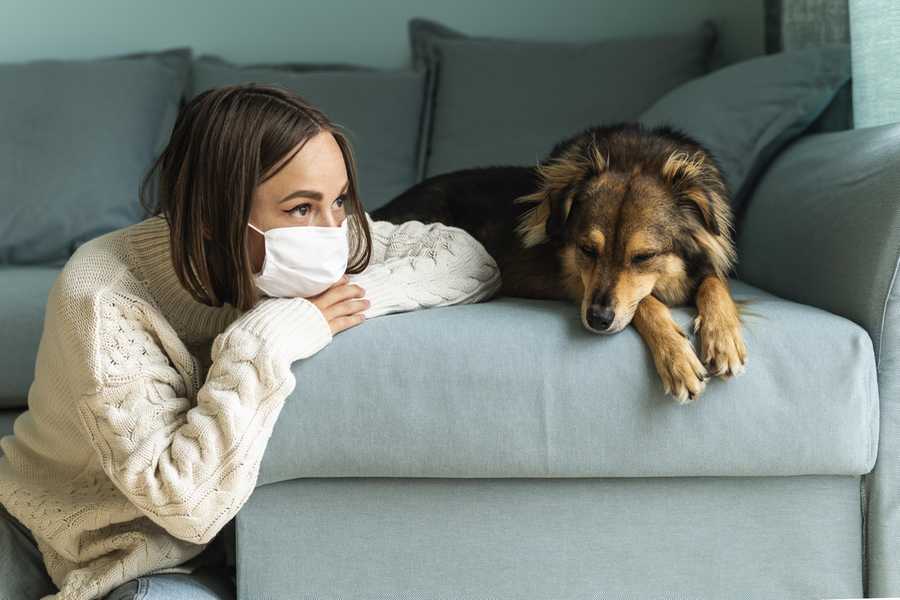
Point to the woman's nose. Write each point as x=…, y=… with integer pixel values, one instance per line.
x=328, y=219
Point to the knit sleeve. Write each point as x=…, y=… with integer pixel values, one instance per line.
x=187, y=456
x=416, y=265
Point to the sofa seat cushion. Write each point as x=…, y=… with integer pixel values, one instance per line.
x=517, y=388
x=697, y=538
x=23, y=298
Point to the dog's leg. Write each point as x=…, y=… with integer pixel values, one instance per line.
x=682, y=373
x=721, y=345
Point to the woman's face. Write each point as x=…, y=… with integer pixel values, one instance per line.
x=309, y=190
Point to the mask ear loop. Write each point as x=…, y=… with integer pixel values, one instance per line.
x=266, y=256
x=254, y=228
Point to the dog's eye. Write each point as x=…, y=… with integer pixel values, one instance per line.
x=587, y=250
x=642, y=258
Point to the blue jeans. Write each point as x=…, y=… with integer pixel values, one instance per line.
x=203, y=584
x=23, y=577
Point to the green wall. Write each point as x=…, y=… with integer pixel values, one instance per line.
x=359, y=31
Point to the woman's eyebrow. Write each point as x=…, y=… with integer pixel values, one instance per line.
x=312, y=194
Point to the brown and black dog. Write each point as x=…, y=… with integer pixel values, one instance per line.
x=624, y=220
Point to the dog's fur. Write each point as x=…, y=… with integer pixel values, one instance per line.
x=625, y=221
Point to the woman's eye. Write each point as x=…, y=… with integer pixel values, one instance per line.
x=339, y=201
x=642, y=258
x=588, y=250
x=301, y=210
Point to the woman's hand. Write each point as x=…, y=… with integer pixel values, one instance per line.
x=342, y=304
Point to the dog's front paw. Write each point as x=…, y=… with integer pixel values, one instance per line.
x=682, y=373
x=721, y=344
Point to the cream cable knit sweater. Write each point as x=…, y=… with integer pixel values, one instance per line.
x=150, y=412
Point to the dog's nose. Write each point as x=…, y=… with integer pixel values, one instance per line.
x=600, y=317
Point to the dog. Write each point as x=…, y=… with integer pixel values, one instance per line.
x=626, y=221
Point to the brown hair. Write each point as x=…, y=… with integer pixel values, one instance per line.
x=223, y=145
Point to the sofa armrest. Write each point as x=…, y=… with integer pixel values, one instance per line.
x=823, y=228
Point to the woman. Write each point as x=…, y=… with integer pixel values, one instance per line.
x=164, y=362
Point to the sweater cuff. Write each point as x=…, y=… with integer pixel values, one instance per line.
x=294, y=328
x=385, y=293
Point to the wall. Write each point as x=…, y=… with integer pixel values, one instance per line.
x=357, y=31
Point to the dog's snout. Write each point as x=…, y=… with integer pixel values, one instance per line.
x=600, y=316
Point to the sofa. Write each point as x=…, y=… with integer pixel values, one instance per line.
x=499, y=450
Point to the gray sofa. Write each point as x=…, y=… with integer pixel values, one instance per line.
x=500, y=451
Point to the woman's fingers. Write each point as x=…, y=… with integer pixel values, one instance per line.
x=339, y=293
x=342, y=304
x=341, y=323
x=340, y=282
x=347, y=307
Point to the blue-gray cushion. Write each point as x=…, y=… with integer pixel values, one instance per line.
x=23, y=298
x=76, y=137
x=517, y=388
x=499, y=101
x=697, y=538
x=747, y=112
x=380, y=109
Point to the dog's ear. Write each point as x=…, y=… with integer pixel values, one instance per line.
x=559, y=179
x=700, y=192
x=698, y=187
x=560, y=205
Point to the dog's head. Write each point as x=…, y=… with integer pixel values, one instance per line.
x=632, y=212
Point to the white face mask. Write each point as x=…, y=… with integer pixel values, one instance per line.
x=302, y=261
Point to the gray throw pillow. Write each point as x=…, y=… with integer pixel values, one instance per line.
x=497, y=101
x=746, y=112
x=379, y=109
x=76, y=137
